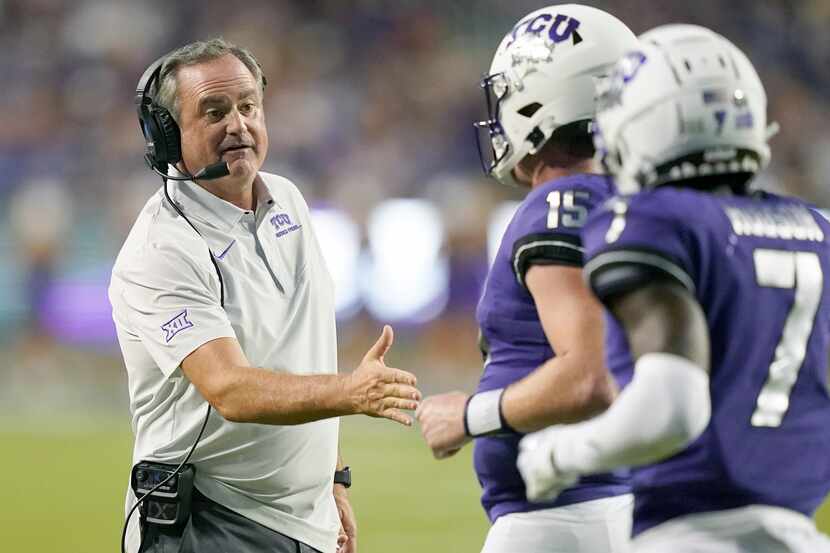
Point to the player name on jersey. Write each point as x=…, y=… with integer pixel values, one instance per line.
x=784, y=222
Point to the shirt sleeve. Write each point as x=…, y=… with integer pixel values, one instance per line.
x=546, y=228
x=628, y=247
x=173, y=305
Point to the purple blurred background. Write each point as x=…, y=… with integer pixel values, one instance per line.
x=369, y=105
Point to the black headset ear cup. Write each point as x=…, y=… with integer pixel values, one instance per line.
x=149, y=130
x=168, y=138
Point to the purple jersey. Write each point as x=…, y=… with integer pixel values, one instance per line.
x=544, y=230
x=756, y=265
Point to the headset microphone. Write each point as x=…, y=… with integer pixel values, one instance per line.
x=212, y=171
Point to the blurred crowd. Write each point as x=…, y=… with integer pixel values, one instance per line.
x=366, y=100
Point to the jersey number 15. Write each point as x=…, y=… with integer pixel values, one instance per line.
x=564, y=209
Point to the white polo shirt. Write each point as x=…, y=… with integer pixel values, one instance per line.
x=279, y=305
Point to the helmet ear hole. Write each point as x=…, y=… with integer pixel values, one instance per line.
x=530, y=109
x=536, y=138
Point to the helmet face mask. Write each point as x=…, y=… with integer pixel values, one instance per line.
x=688, y=106
x=541, y=78
x=491, y=140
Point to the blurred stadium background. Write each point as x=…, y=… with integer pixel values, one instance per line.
x=369, y=106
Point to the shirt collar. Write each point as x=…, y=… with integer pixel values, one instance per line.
x=194, y=200
x=264, y=199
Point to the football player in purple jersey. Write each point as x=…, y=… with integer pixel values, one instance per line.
x=541, y=330
x=720, y=294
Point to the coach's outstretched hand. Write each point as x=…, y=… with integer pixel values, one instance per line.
x=380, y=391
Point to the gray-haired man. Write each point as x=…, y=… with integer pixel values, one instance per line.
x=220, y=295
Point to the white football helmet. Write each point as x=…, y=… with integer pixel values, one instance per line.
x=689, y=104
x=542, y=77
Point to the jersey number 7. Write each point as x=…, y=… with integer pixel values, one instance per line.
x=788, y=270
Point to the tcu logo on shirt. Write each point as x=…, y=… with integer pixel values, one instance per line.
x=176, y=325
x=280, y=219
x=282, y=224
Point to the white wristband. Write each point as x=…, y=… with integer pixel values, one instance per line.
x=483, y=413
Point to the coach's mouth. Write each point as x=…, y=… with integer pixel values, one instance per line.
x=236, y=147
x=235, y=150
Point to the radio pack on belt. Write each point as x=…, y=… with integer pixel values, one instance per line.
x=169, y=504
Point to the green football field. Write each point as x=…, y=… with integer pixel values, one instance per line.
x=62, y=491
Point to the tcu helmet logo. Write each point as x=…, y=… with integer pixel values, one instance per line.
x=610, y=89
x=559, y=27
x=176, y=325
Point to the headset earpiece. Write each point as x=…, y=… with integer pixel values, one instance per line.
x=162, y=137
x=167, y=142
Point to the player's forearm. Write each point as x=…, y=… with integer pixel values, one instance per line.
x=250, y=394
x=565, y=389
x=664, y=408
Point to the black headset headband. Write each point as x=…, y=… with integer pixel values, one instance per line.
x=151, y=74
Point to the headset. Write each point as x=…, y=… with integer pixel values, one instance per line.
x=161, y=132
x=162, y=137
x=162, y=147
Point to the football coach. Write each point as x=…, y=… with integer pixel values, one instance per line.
x=224, y=310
